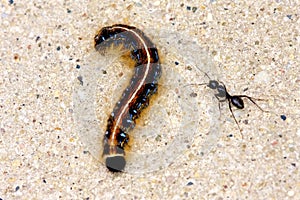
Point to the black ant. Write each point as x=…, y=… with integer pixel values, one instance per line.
x=223, y=95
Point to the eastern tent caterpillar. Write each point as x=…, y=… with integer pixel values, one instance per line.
x=136, y=96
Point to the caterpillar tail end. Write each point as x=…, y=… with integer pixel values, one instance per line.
x=115, y=163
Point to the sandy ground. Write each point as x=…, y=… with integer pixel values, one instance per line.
x=254, y=48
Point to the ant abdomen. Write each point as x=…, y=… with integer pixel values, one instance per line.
x=237, y=102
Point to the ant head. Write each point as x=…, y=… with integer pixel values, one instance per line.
x=213, y=84
x=237, y=102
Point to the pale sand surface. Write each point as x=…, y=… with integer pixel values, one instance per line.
x=255, y=48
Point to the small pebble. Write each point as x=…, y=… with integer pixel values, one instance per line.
x=193, y=94
x=298, y=132
x=291, y=193
x=283, y=117
x=293, y=164
x=37, y=38
x=209, y=17
x=190, y=183
x=156, y=3
x=80, y=80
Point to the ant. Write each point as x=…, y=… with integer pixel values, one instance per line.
x=223, y=95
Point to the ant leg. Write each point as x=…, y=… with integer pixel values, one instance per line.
x=220, y=108
x=235, y=119
x=252, y=102
x=219, y=100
